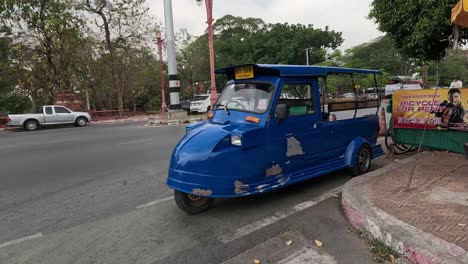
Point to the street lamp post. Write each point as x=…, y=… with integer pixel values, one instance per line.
x=159, y=41
x=307, y=55
x=209, y=15
x=174, y=83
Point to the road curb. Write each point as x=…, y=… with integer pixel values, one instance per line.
x=416, y=245
x=171, y=122
x=118, y=121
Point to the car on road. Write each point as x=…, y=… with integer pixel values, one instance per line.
x=49, y=115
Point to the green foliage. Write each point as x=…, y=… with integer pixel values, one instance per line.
x=455, y=65
x=380, y=54
x=240, y=40
x=258, y=42
x=53, y=45
x=15, y=104
x=5, y=68
x=420, y=29
x=381, y=252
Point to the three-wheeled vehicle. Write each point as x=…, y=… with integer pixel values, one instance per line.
x=257, y=140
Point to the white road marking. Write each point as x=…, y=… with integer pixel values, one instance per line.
x=308, y=255
x=136, y=141
x=20, y=240
x=247, y=229
x=155, y=202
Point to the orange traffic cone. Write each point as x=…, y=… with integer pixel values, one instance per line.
x=382, y=122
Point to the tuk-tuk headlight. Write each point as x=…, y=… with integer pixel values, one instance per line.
x=236, y=140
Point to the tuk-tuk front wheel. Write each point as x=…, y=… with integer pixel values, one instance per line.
x=192, y=204
x=363, y=161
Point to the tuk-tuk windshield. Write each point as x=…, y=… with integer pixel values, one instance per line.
x=246, y=97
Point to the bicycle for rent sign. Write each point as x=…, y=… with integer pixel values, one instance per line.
x=443, y=109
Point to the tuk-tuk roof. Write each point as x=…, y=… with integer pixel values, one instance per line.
x=296, y=70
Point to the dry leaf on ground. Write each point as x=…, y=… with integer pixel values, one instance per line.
x=318, y=243
x=289, y=243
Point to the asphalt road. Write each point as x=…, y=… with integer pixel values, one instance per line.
x=97, y=195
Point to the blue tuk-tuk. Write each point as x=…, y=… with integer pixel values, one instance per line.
x=271, y=127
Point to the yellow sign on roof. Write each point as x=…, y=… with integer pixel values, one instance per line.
x=460, y=13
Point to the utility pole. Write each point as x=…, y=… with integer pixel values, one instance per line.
x=174, y=83
x=209, y=15
x=307, y=55
x=159, y=42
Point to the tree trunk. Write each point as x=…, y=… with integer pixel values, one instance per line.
x=120, y=101
x=47, y=44
x=117, y=85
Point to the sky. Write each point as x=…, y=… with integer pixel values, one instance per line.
x=344, y=16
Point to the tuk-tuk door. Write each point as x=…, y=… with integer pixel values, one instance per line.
x=302, y=134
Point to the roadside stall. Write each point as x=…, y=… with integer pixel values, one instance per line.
x=436, y=118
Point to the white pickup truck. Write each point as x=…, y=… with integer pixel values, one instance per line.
x=49, y=115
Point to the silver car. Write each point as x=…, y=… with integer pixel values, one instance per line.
x=49, y=115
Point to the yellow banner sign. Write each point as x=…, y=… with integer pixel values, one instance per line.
x=420, y=109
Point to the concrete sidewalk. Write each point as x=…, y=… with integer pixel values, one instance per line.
x=427, y=223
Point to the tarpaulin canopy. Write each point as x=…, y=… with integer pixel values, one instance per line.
x=460, y=13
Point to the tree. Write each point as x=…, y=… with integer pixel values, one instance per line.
x=44, y=30
x=193, y=63
x=420, y=29
x=380, y=54
x=9, y=101
x=454, y=65
x=270, y=43
x=5, y=68
x=124, y=22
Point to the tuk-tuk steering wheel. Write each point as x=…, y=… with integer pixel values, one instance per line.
x=236, y=102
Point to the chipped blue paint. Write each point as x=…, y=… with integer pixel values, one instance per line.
x=205, y=159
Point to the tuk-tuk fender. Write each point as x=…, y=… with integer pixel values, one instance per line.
x=353, y=148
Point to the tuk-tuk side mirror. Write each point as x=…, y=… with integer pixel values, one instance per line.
x=281, y=112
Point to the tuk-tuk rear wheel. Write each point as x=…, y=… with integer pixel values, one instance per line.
x=192, y=204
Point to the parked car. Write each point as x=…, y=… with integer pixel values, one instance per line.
x=373, y=94
x=200, y=104
x=49, y=115
x=346, y=96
